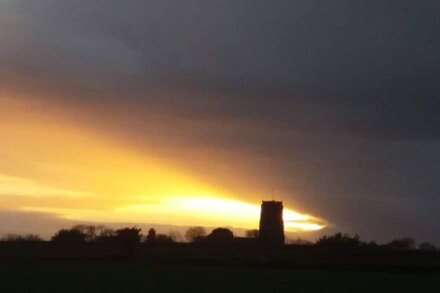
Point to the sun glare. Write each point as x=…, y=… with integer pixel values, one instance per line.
x=59, y=168
x=220, y=211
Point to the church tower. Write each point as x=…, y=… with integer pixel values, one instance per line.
x=271, y=223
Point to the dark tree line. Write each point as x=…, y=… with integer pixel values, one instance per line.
x=354, y=242
x=132, y=236
x=97, y=234
x=102, y=234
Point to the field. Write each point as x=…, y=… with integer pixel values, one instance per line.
x=137, y=276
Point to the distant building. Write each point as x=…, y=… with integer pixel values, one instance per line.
x=271, y=223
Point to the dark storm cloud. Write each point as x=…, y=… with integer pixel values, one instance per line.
x=367, y=67
x=341, y=96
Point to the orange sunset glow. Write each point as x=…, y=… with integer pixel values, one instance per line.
x=56, y=167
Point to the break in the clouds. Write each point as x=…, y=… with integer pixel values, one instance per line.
x=332, y=104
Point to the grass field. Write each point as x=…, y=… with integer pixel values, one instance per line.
x=132, y=276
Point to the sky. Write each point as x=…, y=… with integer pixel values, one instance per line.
x=192, y=112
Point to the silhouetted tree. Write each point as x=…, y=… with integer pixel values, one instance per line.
x=151, y=237
x=88, y=230
x=21, y=238
x=128, y=235
x=221, y=235
x=194, y=232
x=99, y=233
x=33, y=238
x=405, y=243
x=106, y=235
x=252, y=233
x=91, y=231
x=339, y=240
x=69, y=236
x=427, y=246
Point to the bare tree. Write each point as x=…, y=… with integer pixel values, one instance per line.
x=194, y=232
x=21, y=238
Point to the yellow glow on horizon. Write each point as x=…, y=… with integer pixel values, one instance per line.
x=15, y=186
x=203, y=211
x=211, y=209
x=52, y=166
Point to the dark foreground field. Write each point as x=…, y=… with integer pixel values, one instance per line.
x=139, y=276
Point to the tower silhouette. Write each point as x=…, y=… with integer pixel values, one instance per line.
x=271, y=223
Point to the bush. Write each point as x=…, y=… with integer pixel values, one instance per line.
x=221, y=235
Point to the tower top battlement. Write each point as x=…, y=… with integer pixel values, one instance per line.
x=271, y=203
